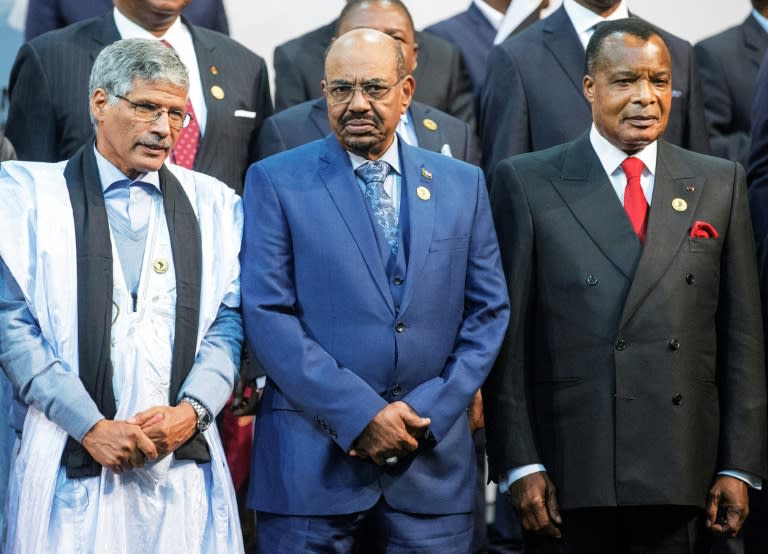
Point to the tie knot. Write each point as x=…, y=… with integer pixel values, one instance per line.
x=373, y=172
x=633, y=167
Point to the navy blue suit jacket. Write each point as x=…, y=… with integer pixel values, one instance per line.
x=47, y=15
x=320, y=317
x=48, y=115
x=728, y=64
x=291, y=128
x=532, y=98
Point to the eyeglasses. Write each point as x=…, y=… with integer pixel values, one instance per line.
x=372, y=90
x=151, y=112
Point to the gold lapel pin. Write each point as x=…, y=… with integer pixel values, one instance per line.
x=690, y=188
x=217, y=92
x=430, y=124
x=160, y=265
x=214, y=70
x=679, y=205
x=427, y=174
x=423, y=193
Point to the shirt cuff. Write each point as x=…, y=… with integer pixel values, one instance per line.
x=753, y=481
x=518, y=473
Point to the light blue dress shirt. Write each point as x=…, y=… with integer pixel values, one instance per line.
x=40, y=378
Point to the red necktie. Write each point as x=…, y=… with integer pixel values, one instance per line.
x=185, y=149
x=634, y=199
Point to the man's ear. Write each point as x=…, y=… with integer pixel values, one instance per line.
x=99, y=101
x=409, y=87
x=588, y=88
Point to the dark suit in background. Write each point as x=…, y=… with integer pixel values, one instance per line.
x=308, y=121
x=473, y=34
x=532, y=96
x=441, y=74
x=48, y=115
x=728, y=64
x=47, y=15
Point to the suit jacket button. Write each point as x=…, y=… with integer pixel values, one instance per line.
x=591, y=280
x=621, y=344
x=400, y=327
x=690, y=279
x=397, y=280
x=674, y=344
x=677, y=399
x=396, y=390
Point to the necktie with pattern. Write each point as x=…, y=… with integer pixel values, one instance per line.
x=185, y=149
x=634, y=200
x=382, y=206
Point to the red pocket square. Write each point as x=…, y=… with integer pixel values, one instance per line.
x=703, y=230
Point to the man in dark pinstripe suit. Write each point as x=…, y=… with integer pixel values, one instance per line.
x=48, y=113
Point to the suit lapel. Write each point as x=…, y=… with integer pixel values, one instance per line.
x=587, y=191
x=217, y=117
x=429, y=140
x=338, y=177
x=319, y=116
x=667, y=228
x=755, y=40
x=561, y=40
x=105, y=34
x=421, y=214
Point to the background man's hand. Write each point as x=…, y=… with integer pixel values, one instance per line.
x=727, y=505
x=392, y=432
x=119, y=445
x=534, y=498
x=168, y=427
x=245, y=398
x=476, y=417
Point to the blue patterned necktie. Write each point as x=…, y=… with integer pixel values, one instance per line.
x=382, y=206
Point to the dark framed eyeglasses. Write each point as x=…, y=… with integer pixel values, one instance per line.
x=145, y=111
x=373, y=90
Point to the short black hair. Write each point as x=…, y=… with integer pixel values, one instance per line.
x=351, y=4
x=633, y=26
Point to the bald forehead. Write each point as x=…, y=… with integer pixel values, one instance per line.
x=362, y=52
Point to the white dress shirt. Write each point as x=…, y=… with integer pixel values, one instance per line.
x=584, y=20
x=179, y=37
x=494, y=16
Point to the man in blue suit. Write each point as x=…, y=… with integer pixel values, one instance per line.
x=375, y=301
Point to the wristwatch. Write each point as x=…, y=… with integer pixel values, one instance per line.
x=204, y=418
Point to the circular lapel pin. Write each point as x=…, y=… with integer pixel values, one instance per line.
x=217, y=92
x=160, y=265
x=679, y=205
x=423, y=193
x=430, y=124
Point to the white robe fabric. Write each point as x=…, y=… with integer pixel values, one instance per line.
x=43, y=263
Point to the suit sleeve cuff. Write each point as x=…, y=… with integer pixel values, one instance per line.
x=752, y=481
x=518, y=473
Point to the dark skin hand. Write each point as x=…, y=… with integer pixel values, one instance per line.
x=168, y=427
x=476, y=416
x=391, y=432
x=729, y=497
x=119, y=445
x=242, y=403
x=535, y=500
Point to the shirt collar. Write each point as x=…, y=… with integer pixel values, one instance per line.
x=761, y=19
x=611, y=157
x=584, y=19
x=129, y=29
x=493, y=16
x=109, y=174
x=391, y=156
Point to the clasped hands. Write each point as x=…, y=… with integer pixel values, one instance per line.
x=123, y=445
x=535, y=500
x=393, y=432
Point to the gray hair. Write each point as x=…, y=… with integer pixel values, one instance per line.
x=121, y=62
